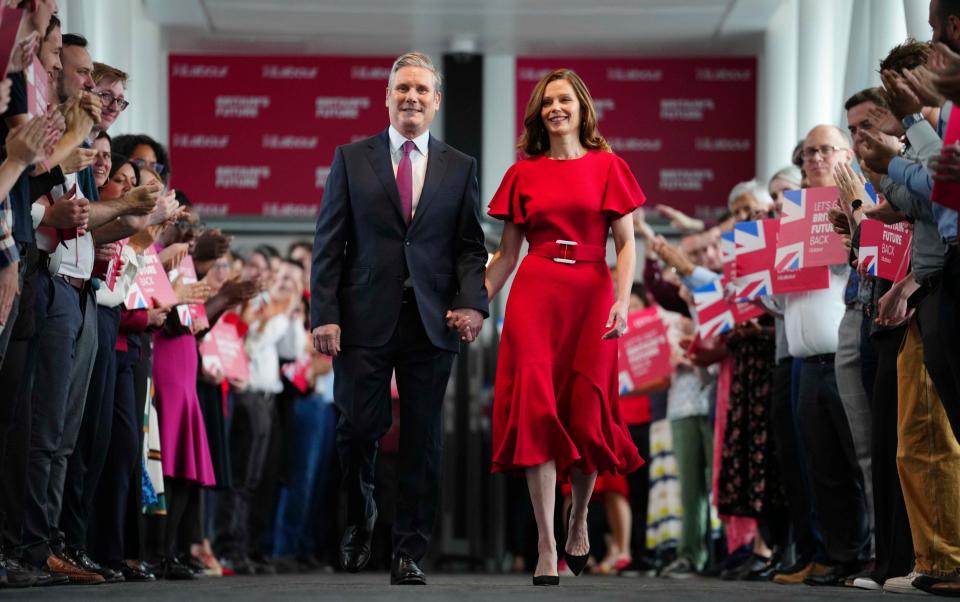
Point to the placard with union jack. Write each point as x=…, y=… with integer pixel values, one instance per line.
x=807, y=238
x=757, y=276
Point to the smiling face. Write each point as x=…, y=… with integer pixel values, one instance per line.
x=412, y=100
x=110, y=112
x=560, y=109
x=122, y=181
x=102, y=162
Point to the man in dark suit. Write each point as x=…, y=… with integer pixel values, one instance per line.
x=397, y=283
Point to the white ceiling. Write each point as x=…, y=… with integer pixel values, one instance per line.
x=526, y=27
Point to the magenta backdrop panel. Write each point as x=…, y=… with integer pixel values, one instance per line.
x=255, y=135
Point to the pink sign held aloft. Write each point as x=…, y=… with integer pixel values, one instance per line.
x=644, y=350
x=885, y=249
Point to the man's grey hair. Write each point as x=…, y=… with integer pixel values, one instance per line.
x=754, y=188
x=416, y=59
x=790, y=173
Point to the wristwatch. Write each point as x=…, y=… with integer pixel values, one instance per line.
x=911, y=119
x=856, y=204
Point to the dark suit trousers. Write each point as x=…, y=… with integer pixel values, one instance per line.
x=362, y=396
x=940, y=329
x=894, y=544
x=839, y=497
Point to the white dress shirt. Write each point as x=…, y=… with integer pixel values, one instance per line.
x=418, y=160
x=75, y=256
x=812, y=319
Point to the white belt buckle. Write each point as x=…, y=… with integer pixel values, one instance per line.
x=566, y=249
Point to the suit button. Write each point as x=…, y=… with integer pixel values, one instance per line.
x=406, y=242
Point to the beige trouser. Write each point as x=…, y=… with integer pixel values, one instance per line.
x=928, y=460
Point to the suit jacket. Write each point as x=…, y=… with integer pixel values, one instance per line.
x=363, y=249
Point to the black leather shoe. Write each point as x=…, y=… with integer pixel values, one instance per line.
x=18, y=574
x=172, y=568
x=405, y=571
x=835, y=576
x=80, y=558
x=355, y=546
x=136, y=573
x=546, y=580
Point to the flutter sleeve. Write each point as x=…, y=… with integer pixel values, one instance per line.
x=505, y=204
x=622, y=194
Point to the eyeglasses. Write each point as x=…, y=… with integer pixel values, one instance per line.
x=107, y=98
x=157, y=167
x=826, y=151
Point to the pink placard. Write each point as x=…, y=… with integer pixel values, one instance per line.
x=9, y=26
x=644, y=350
x=151, y=284
x=223, y=347
x=806, y=238
x=885, y=249
x=754, y=257
x=38, y=84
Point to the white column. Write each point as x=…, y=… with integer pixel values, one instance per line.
x=888, y=27
x=917, y=13
x=820, y=58
x=861, y=71
x=121, y=34
x=777, y=92
x=499, y=121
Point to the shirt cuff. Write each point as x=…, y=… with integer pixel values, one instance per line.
x=36, y=214
x=700, y=276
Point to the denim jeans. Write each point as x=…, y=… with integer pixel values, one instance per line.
x=314, y=456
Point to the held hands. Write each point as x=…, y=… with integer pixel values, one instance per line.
x=142, y=200
x=617, y=321
x=466, y=321
x=79, y=159
x=326, y=339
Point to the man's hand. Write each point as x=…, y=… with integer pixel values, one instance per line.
x=920, y=81
x=142, y=200
x=883, y=212
x=195, y=292
x=9, y=288
x=157, y=315
x=900, y=98
x=877, y=152
x=238, y=291
x=106, y=252
x=79, y=159
x=945, y=65
x=945, y=167
x=91, y=105
x=67, y=212
x=892, y=309
x=852, y=187
x=25, y=142
x=326, y=339
x=680, y=220
x=466, y=321
x=166, y=208
x=673, y=256
x=838, y=218
x=173, y=255
x=884, y=121
x=210, y=246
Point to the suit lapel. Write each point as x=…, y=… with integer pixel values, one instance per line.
x=436, y=168
x=378, y=153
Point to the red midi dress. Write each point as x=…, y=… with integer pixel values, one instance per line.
x=556, y=391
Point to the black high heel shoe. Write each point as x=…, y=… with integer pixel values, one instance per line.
x=546, y=580
x=576, y=564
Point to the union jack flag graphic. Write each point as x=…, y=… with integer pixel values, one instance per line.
x=714, y=315
x=135, y=298
x=789, y=257
x=868, y=258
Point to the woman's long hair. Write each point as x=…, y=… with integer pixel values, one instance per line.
x=535, y=140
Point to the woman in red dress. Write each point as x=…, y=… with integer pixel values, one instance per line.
x=556, y=411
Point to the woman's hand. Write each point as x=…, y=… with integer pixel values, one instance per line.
x=852, y=188
x=173, y=255
x=617, y=321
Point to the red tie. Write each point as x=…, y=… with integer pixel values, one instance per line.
x=405, y=180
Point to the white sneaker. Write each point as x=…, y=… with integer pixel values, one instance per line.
x=681, y=568
x=866, y=583
x=903, y=585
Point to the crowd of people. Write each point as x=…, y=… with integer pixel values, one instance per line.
x=815, y=444
x=823, y=434
x=125, y=457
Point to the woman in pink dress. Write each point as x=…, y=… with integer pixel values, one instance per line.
x=556, y=406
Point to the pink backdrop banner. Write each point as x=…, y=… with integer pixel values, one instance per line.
x=686, y=126
x=255, y=135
